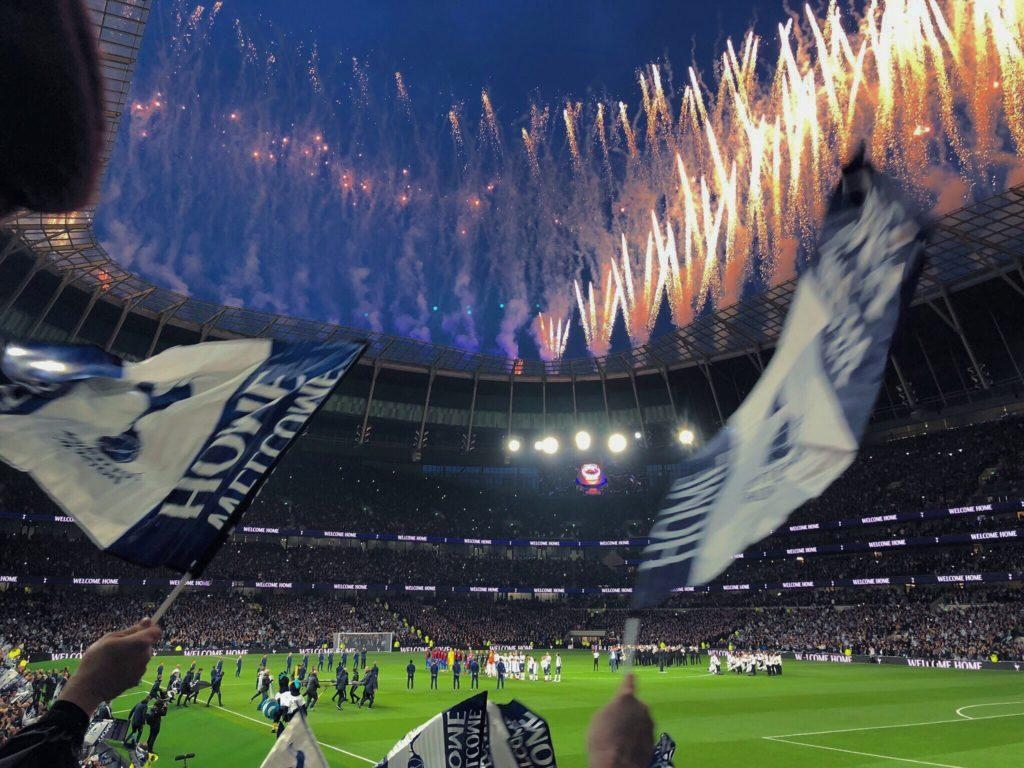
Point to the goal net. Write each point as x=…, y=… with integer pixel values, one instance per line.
x=371, y=642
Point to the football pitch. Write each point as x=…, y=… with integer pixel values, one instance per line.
x=846, y=716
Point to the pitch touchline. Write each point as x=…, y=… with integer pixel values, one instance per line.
x=322, y=744
x=780, y=740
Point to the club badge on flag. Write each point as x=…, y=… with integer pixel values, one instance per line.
x=296, y=747
x=800, y=427
x=156, y=460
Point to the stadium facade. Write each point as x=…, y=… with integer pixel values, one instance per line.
x=962, y=347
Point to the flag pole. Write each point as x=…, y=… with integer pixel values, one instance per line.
x=186, y=579
x=630, y=635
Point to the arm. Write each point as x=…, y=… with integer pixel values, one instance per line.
x=110, y=666
x=622, y=734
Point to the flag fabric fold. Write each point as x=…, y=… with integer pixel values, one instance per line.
x=477, y=733
x=156, y=460
x=800, y=427
x=296, y=747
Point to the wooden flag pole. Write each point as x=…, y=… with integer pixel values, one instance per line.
x=186, y=579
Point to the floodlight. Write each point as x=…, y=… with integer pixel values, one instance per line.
x=514, y=445
x=549, y=445
x=583, y=440
x=617, y=443
x=686, y=437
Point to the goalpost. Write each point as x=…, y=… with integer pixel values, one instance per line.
x=371, y=642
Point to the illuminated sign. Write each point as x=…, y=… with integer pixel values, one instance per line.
x=591, y=479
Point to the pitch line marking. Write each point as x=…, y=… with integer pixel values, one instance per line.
x=885, y=727
x=322, y=744
x=261, y=722
x=960, y=712
x=780, y=740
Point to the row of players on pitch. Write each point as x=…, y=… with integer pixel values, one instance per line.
x=747, y=663
x=514, y=664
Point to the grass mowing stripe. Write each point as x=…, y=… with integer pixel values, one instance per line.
x=721, y=723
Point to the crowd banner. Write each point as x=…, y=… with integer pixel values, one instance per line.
x=1000, y=577
x=904, y=661
x=277, y=532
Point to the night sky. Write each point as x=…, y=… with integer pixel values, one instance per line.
x=188, y=204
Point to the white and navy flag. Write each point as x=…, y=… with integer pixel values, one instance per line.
x=477, y=733
x=157, y=460
x=800, y=427
x=296, y=747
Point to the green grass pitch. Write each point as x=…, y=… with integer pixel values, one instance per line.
x=840, y=716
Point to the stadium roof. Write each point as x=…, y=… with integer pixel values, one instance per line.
x=968, y=246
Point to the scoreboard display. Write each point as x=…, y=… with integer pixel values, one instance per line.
x=591, y=479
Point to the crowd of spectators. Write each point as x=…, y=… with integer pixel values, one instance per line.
x=936, y=623
x=48, y=555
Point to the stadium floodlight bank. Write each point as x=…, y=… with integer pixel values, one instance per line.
x=371, y=642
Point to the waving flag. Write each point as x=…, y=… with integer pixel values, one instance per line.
x=477, y=733
x=800, y=427
x=296, y=747
x=156, y=460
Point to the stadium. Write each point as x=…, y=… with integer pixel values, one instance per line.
x=450, y=503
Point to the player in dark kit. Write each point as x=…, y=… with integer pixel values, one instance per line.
x=500, y=669
x=434, y=669
x=263, y=690
x=340, y=686
x=320, y=662
x=156, y=716
x=215, y=680
x=136, y=722
x=369, y=686
x=184, y=691
x=238, y=666
x=353, y=687
x=312, y=690
x=456, y=673
x=410, y=672
x=474, y=673
x=194, y=690
x=330, y=661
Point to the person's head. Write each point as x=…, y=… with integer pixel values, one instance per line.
x=50, y=147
